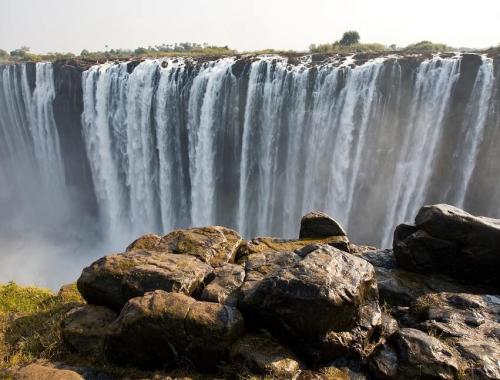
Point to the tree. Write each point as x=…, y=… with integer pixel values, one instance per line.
x=21, y=52
x=350, y=37
x=84, y=52
x=3, y=54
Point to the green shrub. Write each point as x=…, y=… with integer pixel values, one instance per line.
x=426, y=47
x=351, y=37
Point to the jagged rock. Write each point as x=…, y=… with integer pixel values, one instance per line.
x=113, y=280
x=84, y=327
x=270, y=244
x=420, y=252
x=214, y=245
x=450, y=241
x=451, y=223
x=224, y=288
x=482, y=357
x=264, y=355
x=319, y=225
x=159, y=328
x=40, y=372
x=145, y=242
x=412, y=354
x=326, y=303
x=260, y=265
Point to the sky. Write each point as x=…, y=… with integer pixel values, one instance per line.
x=73, y=25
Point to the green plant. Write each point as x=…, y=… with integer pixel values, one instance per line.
x=351, y=37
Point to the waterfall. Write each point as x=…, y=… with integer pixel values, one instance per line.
x=29, y=141
x=177, y=143
x=254, y=143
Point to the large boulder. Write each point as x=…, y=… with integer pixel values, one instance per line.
x=84, y=327
x=451, y=223
x=271, y=244
x=325, y=304
x=264, y=355
x=214, y=245
x=224, y=287
x=159, y=329
x=448, y=240
x=319, y=225
x=112, y=280
x=412, y=354
x=420, y=252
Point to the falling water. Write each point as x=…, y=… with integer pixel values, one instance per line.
x=254, y=144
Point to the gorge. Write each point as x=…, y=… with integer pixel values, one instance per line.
x=119, y=149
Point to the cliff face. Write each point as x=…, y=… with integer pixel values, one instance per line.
x=68, y=108
x=253, y=142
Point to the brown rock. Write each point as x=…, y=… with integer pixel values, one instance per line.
x=264, y=355
x=39, y=372
x=113, y=280
x=84, y=327
x=318, y=225
x=224, y=288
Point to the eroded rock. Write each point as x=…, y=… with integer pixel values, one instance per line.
x=327, y=303
x=159, y=328
x=84, y=327
x=113, y=280
x=264, y=355
x=224, y=287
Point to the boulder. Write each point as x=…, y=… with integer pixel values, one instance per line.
x=325, y=304
x=160, y=328
x=84, y=328
x=451, y=223
x=214, y=245
x=146, y=242
x=224, y=287
x=270, y=244
x=319, y=225
x=420, y=252
x=412, y=354
x=41, y=372
x=113, y=280
x=264, y=355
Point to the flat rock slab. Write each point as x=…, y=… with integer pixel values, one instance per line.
x=451, y=223
x=271, y=244
x=40, y=372
x=112, y=280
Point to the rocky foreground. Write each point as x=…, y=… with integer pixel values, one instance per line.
x=318, y=307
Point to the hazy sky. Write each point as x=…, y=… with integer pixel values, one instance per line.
x=73, y=25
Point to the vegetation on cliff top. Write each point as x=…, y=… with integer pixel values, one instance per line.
x=349, y=43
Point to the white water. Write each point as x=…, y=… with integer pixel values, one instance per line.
x=175, y=144
x=258, y=150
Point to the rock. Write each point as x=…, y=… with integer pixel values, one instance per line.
x=224, y=288
x=451, y=223
x=160, y=328
x=319, y=225
x=402, y=231
x=383, y=258
x=214, y=245
x=260, y=265
x=420, y=252
x=40, y=372
x=324, y=304
x=145, y=242
x=113, y=280
x=270, y=244
x=84, y=328
x=412, y=354
x=264, y=355
x=483, y=358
